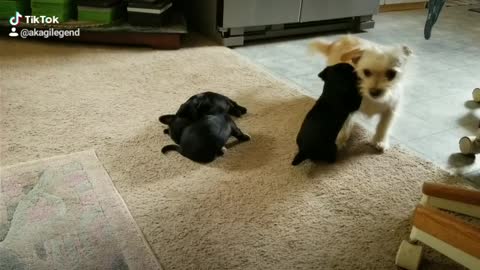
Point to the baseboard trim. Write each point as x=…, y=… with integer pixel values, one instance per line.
x=402, y=6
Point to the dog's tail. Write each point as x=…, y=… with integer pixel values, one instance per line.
x=171, y=147
x=345, y=44
x=320, y=46
x=299, y=158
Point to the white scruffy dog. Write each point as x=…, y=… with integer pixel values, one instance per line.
x=380, y=69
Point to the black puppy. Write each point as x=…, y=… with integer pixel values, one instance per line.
x=340, y=97
x=208, y=103
x=201, y=140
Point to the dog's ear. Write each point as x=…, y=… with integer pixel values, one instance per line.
x=353, y=55
x=166, y=119
x=406, y=50
x=324, y=74
x=188, y=110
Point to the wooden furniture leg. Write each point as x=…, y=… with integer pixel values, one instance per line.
x=441, y=231
x=451, y=198
x=409, y=255
x=445, y=233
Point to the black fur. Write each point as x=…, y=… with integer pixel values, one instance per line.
x=201, y=140
x=209, y=103
x=340, y=97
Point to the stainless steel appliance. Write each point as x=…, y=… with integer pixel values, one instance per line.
x=233, y=22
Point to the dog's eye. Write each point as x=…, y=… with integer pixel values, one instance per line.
x=391, y=74
x=367, y=72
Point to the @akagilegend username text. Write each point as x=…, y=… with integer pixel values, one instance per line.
x=46, y=33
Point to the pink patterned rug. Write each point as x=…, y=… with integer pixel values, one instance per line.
x=65, y=213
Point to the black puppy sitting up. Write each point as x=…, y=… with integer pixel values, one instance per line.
x=207, y=103
x=340, y=97
x=201, y=140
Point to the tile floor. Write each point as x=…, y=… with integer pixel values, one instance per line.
x=437, y=108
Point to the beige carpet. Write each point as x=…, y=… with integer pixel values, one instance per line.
x=248, y=210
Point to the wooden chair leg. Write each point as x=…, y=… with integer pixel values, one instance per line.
x=448, y=235
x=409, y=255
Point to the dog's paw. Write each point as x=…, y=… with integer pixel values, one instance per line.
x=245, y=137
x=341, y=141
x=242, y=110
x=236, y=113
x=381, y=146
x=342, y=138
x=222, y=151
x=341, y=144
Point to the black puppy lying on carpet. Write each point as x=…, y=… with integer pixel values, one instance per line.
x=340, y=97
x=202, y=126
x=208, y=103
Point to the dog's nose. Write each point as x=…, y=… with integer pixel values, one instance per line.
x=376, y=92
